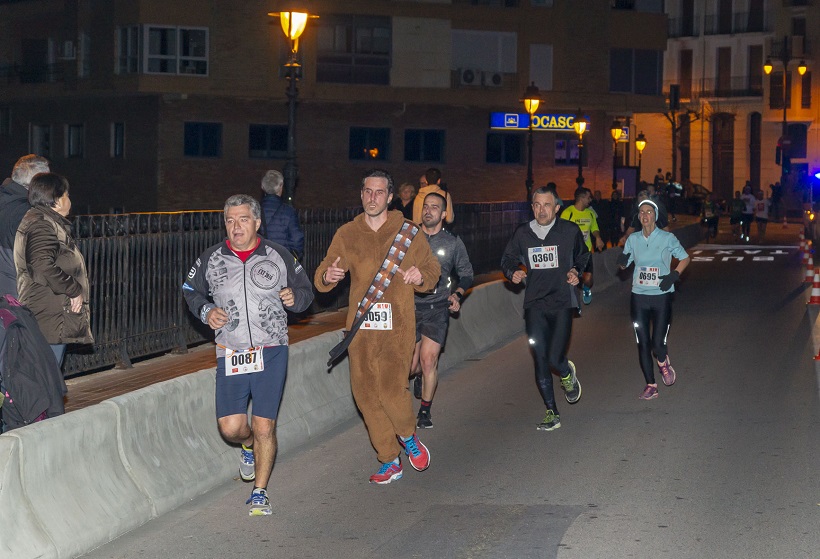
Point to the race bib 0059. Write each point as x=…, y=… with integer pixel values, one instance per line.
x=243, y=362
x=379, y=317
x=648, y=276
x=542, y=258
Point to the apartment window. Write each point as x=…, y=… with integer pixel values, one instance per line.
x=797, y=134
x=74, y=140
x=40, y=139
x=353, y=49
x=203, y=139
x=424, y=145
x=635, y=71
x=799, y=26
x=755, y=70
x=128, y=49
x=118, y=140
x=267, y=141
x=490, y=51
x=566, y=149
x=5, y=121
x=805, y=94
x=505, y=148
x=776, y=90
x=369, y=144
x=176, y=50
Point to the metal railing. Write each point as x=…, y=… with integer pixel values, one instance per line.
x=137, y=263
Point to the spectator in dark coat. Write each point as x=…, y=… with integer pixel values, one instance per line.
x=280, y=223
x=13, y=206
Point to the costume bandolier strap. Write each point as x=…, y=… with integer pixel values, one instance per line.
x=381, y=281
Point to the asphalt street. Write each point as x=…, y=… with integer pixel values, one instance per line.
x=723, y=464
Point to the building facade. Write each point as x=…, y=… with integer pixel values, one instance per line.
x=148, y=105
x=731, y=121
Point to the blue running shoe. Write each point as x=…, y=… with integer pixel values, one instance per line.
x=417, y=453
x=259, y=502
x=387, y=473
x=247, y=466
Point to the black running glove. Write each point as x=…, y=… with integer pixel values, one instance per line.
x=668, y=280
x=623, y=260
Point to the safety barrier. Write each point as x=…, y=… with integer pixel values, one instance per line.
x=74, y=482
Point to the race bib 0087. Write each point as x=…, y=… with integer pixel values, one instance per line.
x=243, y=362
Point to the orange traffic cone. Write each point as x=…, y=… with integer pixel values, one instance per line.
x=815, y=289
x=806, y=256
x=810, y=272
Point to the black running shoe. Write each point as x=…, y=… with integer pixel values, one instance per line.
x=417, y=387
x=423, y=420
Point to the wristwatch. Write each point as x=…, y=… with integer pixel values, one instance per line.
x=459, y=295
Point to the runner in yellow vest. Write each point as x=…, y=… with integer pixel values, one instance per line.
x=581, y=214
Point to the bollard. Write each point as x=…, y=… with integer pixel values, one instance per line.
x=815, y=289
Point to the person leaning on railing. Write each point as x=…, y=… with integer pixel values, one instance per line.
x=51, y=276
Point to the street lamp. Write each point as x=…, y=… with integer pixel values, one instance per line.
x=640, y=145
x=616, y=130
x=531, y=100
x=579, y=124
x=784, y=142
x=293, y=24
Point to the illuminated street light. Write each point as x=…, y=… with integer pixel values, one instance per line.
x=640, y=145
x=616, y=130
x=531, y=100
x=580, y=125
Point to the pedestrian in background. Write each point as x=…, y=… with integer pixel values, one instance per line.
x=432, y=183
x=653, y=282
x=280, y=220
x=748, y=214
x=404, y=201
x=13, y=206
x=51, y=275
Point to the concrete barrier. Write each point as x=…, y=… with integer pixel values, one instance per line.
x=314, y=400
x=19, y=527
x=490, y=315
x=170, y=441
x=77, y=485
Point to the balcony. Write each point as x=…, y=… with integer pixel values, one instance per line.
x=737, y=86
x=33, y=73
x=741, y=22
x=683, y=27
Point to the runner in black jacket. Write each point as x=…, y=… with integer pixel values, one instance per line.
x=553, y=252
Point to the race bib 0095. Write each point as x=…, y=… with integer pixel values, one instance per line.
x=379, y=317
x=542, y=258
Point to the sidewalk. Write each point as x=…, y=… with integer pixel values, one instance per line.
x=91, y=389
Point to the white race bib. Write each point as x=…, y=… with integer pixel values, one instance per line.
x=648, y=276
x=379, y=317
x=242, y=362
x=542, y=258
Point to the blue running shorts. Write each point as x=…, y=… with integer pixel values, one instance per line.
x=264, y=388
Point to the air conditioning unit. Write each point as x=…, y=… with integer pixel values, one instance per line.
x=68, y=51
x=469, y=76
x=493, y=79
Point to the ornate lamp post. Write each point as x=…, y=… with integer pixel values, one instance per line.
x=579, y=124
x=783, y=143
x=616, y=130
x=531, y=100
x=640, y=145
x=293, y=25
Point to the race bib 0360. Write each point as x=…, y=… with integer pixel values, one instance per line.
x=243, y=362
x=542, y=258
x=379, y=317
x=648, y=276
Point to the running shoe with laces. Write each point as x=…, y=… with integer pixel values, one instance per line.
x=587, y=295
x=417, y=387
x=387, y=473
x=417, y=453
x=649, y=393
x=667, y=372
x=423, y=421
x=247, y=466
x=571, y=386
x=259, y=502
x=551, y=421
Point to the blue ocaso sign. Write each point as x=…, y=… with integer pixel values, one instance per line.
x=521, y=121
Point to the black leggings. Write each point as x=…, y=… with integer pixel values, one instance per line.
x=657, y=310
x=746, y=223
x=548, y=333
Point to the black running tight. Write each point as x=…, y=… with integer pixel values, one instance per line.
x=548, y=333
x=655, y=312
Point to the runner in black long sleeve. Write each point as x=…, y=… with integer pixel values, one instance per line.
x=552, y=252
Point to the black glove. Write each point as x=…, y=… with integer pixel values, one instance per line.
x=668, y=280
x=623, y=260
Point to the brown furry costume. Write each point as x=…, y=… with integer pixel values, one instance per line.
x=380, y=360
